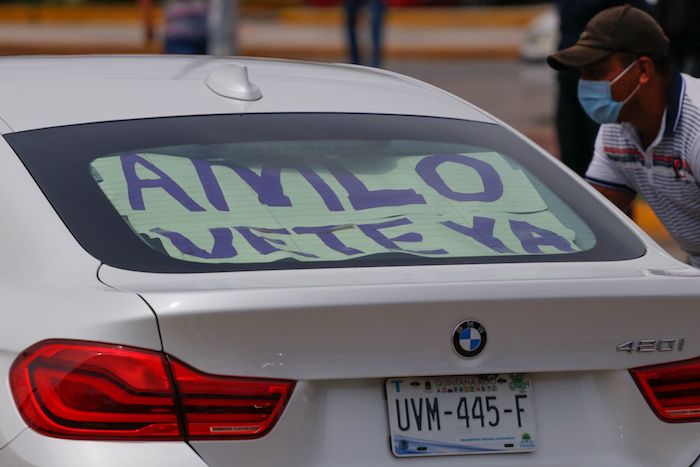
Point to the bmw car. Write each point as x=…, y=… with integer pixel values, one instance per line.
x=256, y=262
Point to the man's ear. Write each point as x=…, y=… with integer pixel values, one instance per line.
x=646, y=70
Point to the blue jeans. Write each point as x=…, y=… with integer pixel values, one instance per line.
x=186, y=46
x=377, y=9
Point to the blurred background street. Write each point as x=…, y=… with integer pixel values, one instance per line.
x=488, y=53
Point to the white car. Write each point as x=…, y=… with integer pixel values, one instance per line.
x=541, y=37
x=242, y=262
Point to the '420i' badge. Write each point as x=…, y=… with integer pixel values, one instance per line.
x=469, y=338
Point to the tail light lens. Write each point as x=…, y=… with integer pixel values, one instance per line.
x=83, y=390
x=90, y=391
x=672, y=389
x=219, y=407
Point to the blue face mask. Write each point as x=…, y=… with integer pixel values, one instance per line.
x=596, y=98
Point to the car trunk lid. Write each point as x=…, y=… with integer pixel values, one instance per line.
x=381, y=322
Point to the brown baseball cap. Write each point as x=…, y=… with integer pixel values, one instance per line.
x=617, y=29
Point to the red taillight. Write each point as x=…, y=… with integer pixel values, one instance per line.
x=85, y=390
x=672, y=389
x=95, y=391
x=222, y=407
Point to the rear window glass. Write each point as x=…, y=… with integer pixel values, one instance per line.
x=307, y=190
x=233, y=207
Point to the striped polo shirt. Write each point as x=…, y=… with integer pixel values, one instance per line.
x=667, y=173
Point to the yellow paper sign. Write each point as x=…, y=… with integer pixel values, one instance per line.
x=435, y=205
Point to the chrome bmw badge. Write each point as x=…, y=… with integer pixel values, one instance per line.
x=469, y=338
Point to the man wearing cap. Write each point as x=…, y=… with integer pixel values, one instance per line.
x=576, y=132
x=648, y=142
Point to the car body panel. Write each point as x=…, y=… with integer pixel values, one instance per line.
x=58, y=298
x=33, y=449
x=82, y=90
x=612, y=433
x=559, y=322
x=302, y=332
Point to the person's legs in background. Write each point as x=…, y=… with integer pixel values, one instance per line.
x=378, y=8
x=575, y=130
x=186, y=46
x=186, y=26
x=351, y=11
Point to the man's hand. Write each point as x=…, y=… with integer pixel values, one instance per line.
x=621, y=199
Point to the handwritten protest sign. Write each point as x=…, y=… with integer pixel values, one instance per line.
x=436, y=205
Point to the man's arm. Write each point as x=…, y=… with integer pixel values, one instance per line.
x=608, y=179
x=621, y=199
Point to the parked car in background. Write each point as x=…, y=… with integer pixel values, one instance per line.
x=235, y=261
x=541, y=37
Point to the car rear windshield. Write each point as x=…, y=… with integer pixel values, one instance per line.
x=277, y=191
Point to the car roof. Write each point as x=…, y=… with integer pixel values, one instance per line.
x=39, y=92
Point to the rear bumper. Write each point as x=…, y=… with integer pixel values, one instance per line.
x=33, y=449
x=583, y=419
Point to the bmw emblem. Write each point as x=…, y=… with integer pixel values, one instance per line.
x=469, y=338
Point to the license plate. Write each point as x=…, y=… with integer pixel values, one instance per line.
x=453, y=415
